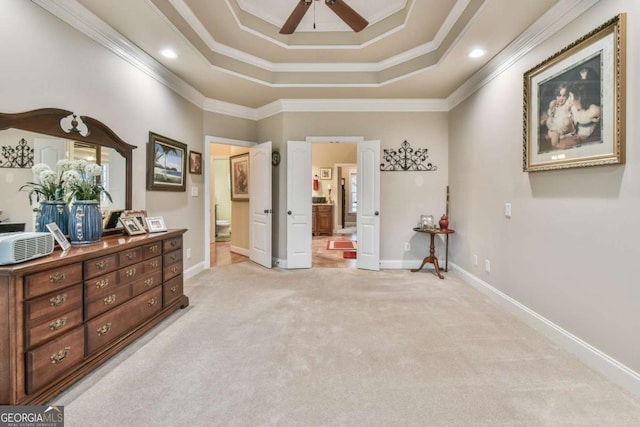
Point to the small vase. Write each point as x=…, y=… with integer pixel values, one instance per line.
x=85, y=222
x=55, y=211
x=444, y=222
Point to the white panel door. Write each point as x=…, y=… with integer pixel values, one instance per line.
x=48, y=151
x=298, y=204
x=260, y=208
x=368, y=218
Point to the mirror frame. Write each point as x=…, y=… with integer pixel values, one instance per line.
x=47, y=121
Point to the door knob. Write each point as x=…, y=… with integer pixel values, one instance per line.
x=289, y=212
x=376, y=213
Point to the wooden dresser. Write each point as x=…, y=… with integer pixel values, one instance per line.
x=322, y=220
x=63, y=315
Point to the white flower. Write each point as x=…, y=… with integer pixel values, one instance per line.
x=39, y=168
x=70, y=178
x=64, y=164
x=93, y=169
x=47, y=176
x=79, y=165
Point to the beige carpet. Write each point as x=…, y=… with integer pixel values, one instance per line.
x=330, y=347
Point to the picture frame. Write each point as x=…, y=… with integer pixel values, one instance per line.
x=140, y=215
x=239, y=168
x=166, y=164
x=111, y=219
x=325, y=173
x=574, y=103
x=131, y=225
x=155, y=224
x=58, y=236
x=195, y=163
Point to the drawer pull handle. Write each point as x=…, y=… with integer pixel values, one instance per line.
x=173, y=257
x=110, y=299
x=174, y=270
x=103, y=330
x=58, y=324
x=153, y=301
x=102, y=264
x=148, y=282
x=60, y=355
x=153, y=249
x=174, y=243
x=102, y=283
x=58, y=300
x=131, y=255
x=57, y=278
x=174, y=289
x=130, y=272
x=154, y=264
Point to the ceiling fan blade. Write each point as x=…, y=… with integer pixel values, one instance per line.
x=296, y=16
x=348, y=15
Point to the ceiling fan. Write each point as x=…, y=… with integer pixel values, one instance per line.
x=339, y=7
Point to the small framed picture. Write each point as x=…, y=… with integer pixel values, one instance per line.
x=156, y=224
x=140, y=215
x=111, y=219
x=131, y=225
x=57, y=234
x=325, y=173
x=195, y=163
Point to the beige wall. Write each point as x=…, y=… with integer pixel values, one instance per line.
x=569, y=250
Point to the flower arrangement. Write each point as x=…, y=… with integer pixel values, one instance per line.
x=80, y=181
x=50, y=185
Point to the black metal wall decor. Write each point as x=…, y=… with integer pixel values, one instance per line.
x=406, y=159
x=20, y=156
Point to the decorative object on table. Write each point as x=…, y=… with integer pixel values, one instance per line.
x=329, y=197
x=325, y=173
x=20, y=156
x=156, y=224
x=57, y=234
x=574, y=103
x=140, y=215
x=131, y=225
x=111, y=219
x=50, y=189
x=166, y=164
x=195, y=163
x=239, y=167
x=426, y=222
x=406, y=159
x=444, y=222
x=85, y=193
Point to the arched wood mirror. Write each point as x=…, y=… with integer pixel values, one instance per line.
x=52, y=133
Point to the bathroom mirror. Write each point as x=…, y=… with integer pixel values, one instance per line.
x=54, y=134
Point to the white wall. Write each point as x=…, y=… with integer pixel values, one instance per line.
x=46, y=63
x=570, y=248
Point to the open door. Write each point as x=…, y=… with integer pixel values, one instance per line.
x=260, y=205
x=368, y=219
x=298, y=204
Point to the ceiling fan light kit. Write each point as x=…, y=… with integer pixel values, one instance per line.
x=352, y=18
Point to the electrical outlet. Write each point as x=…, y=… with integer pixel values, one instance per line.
x=188, y=252
x=507, y=210
x=407, y=246
x=487, y=265
x=475, y=259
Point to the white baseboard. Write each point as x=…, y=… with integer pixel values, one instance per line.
x=189, y=273
x=407, y=264
x=591, y=356
x=239, y=250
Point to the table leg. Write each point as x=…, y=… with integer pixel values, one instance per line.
x=431, y=258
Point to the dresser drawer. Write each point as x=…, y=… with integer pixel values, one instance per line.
x=152, y=265
x=152, y=250
x=130, y=273
x=97, y=266
x=172, y=270
x=54, y=359
x=129, y=257
x=53, y=327
x=146, y=283
x=172, y=290
x=109, y=326
x=100, y=285
x=172, y=257
x=172, y=244
x=52, y=305
x=108, y=301
x=52, y=280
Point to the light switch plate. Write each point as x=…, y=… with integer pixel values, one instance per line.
x=194, y=191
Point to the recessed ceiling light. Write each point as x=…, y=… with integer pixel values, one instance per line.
x=168, y=53
x=477, y=53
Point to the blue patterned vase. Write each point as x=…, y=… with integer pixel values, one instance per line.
x=53, y=211
x=85, y=222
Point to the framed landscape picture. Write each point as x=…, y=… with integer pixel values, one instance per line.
x=166, y=164
x=574, y=103
x=239, y=167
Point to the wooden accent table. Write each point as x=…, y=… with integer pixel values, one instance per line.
x=432, y=249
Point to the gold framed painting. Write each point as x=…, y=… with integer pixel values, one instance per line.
x=239, y=167
x=574, y=103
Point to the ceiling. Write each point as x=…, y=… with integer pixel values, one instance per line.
x=231, y=50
